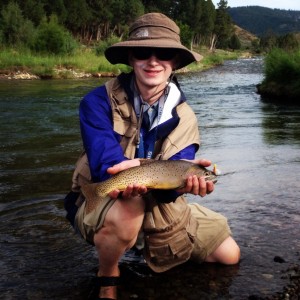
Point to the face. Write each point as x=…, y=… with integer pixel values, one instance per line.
x=152, y=67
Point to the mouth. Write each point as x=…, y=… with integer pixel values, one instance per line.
x=152, y=72
x=212, y=178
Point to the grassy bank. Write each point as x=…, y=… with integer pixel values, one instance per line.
x=282, y=76
x=84, y=62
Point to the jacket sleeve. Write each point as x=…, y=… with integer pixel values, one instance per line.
x=100, y=141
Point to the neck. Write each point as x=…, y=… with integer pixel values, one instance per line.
x=151, y=95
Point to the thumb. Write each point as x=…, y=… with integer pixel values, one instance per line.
x=124, y=165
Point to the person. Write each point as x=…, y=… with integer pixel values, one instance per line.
x=139, y=115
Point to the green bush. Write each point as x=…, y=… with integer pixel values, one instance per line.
x=103, y=45
x=14, y=28
x=282, y=66
x=53, y=38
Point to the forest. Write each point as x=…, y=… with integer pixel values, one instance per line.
x=61, y=26
x=29, y=22
x=261, y=20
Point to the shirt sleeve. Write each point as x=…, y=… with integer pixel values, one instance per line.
x=100, y=141
x=167, y=196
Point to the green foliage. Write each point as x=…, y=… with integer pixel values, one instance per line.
x=186, y=34
x=282, y=76
x=14, y=28
x=288, y=42
x=53, y=38
x=282, y=66
x=223, y=25
x=235, y=43
x=103, y=45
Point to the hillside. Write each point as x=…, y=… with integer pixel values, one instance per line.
x=246, y=38
x=261, y=20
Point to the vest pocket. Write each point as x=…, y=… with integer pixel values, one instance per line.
x=163, y=253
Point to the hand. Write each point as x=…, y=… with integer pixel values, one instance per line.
x=131, y=190
x=195, y=185
x=124, y=165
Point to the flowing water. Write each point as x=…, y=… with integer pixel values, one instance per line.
x=255, y=144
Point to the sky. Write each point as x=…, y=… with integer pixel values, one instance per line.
x=282, y=4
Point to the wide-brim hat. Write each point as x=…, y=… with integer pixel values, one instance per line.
x=153, y=30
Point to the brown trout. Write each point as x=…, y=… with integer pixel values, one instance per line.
x=155, y=174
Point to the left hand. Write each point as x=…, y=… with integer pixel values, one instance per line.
x=131, y=190
x=195, y=185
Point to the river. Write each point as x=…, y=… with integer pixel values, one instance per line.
x=255, y=143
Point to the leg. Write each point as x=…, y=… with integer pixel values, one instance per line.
x=118, y=234
x=213, y=241
x=227, y=253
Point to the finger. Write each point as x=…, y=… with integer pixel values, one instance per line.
x=114, y=194
x=128, y=191
x=202, y=187
x=202, y=162
x=189, y=185
x=142, y=190
x=209, y=187
x=196, y=187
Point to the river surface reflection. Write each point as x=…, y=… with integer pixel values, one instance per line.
x=256, y=145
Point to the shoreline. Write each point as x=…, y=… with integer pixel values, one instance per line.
x=23, y=73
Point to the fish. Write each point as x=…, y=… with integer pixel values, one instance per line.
x=154, y=174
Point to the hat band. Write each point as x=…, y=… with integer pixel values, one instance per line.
x=154, y=32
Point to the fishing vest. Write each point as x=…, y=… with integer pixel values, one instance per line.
x=169, y=229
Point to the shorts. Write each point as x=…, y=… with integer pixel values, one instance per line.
x=212, y=230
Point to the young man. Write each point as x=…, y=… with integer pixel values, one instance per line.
x=144, y=114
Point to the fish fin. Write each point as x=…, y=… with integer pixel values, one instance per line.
x=145, y=161
x=91, y=197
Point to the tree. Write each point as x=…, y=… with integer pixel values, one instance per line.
x=15, y=28
x=77, y=18
x=207, y=21
x=33, y=10
x=53, y=38
x=223, y=26
x=288, y=42
x=235, y=42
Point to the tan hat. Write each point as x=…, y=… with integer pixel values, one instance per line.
x=153, y=30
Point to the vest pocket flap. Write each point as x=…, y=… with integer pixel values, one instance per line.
x=123, y=125
x=177, y=244
x=161, y=250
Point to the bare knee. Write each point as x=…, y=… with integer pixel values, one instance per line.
x=227, y=253
x=123, y=221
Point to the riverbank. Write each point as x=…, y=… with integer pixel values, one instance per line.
x=23, y=65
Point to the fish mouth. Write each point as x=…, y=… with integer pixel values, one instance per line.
x=212, y=178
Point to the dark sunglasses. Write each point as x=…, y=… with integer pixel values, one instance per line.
x=143, y=53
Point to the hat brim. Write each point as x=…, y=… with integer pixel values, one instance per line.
x=118, y=53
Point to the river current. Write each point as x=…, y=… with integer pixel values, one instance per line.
x=255, y=143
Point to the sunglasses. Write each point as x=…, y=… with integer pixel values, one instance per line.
x=143, y=53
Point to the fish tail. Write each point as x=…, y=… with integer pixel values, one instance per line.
x=91, y=196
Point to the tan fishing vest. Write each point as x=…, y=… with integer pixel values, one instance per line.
x=168, y=228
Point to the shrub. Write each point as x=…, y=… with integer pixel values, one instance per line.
x=282, y=66
x=53, y=38
x=103, y=45
x=14, y=28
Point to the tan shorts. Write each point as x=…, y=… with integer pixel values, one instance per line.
x=213, y=229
